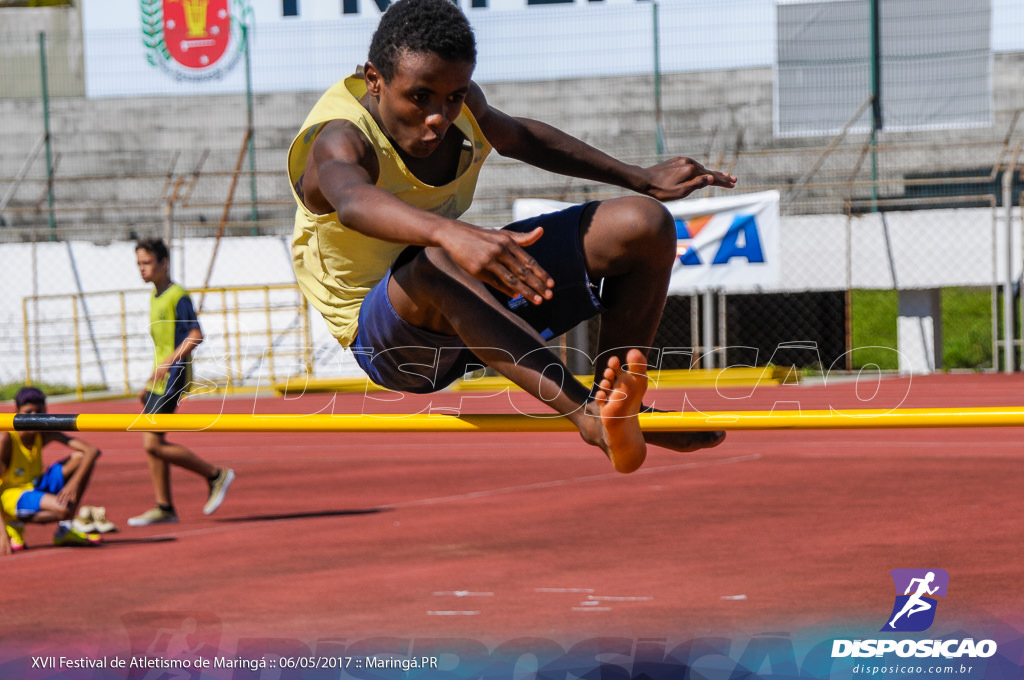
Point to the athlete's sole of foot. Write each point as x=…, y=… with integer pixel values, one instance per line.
x=627, y=447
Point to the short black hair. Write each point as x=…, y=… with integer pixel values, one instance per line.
x=29, y=395
x=155, y=246
x=421, y=26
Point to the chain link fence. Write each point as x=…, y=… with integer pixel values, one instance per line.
x=862, y=208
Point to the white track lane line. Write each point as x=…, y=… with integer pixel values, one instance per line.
x=572, y=480
x=460, y=497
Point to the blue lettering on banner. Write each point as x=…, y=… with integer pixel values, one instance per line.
x=745, y=226
x=690, y=257
x=741, y=240
x=682, y=229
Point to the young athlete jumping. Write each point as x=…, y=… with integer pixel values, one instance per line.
x=381, y=170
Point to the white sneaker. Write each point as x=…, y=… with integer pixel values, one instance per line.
x=100, y=521
x=218, y=489
x=84, y=521
x=153, y=516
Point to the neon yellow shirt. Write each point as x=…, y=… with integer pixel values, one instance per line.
x=171, y=318
x=336, y=266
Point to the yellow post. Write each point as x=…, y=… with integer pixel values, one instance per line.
x=78, y=348
x=227, y=336
x=307, y=342
x=238, y=335
x=124, y=342
x=28, y=355
x=270, y=334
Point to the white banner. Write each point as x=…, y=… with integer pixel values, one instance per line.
x=161, y=47
x=728, y=243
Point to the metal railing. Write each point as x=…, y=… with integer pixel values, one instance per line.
x=253, y=336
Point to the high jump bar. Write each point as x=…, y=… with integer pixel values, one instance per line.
x=506, y=422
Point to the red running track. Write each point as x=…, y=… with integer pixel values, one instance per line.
x=329, y=539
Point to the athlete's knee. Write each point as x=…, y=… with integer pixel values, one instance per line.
x=89, y=461
x=154, y=445
x=647, y=224
x=661, y=226
x=71, y=463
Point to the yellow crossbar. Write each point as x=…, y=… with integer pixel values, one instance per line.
x=710, y=378
x=440, y=422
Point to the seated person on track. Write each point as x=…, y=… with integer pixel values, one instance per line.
x=382, y=168
x=28, y=494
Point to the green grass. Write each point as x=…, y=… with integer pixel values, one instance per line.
x=966, y=328
x=873, y=328
x=7, y=392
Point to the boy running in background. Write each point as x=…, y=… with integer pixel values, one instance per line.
x=176, y=333
x=28, y=494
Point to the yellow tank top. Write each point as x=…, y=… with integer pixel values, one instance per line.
x=336, y=266
x=26, y=462
x=168, y=332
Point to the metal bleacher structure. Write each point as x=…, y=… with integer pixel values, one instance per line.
x=105, y=178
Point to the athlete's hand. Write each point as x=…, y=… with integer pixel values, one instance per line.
x=497, y=258
x=679, y=177
x=68, y=496
x=159, y=373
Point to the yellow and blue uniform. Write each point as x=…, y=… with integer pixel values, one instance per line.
x=336, y=266
x=23, y=483
x=171, y=318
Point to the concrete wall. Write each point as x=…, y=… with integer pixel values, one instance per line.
x=116, y=157
x=19, y=35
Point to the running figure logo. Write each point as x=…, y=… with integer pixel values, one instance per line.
x=914, y=609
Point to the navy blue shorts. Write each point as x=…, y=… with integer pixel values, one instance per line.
x=399, y=356
x=167, y=402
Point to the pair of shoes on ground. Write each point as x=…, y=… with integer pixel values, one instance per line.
x=70, y=536
x=93, y=520
x=218, y=489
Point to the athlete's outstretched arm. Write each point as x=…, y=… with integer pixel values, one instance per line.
x=549, y=148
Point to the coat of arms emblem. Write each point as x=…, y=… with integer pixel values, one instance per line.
x=194, y=39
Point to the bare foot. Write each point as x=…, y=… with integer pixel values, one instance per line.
x=619, y=397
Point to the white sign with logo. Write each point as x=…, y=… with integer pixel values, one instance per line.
x=193, y=40
x=728, y=243
x=157, y=47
